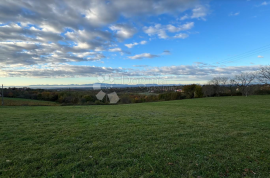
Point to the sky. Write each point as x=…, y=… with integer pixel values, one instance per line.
x=63, y=42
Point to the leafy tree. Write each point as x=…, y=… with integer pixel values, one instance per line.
x=198, y=91
x=189, y=90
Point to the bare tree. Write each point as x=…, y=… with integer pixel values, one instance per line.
x=216, y=85
x=217, y=82
x=263, y=74
x=232, y=84
x=223, y=80
x=243, y=82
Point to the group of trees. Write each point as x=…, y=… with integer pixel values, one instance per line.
x=88, y=97
x=190, y=91
x=242, y=84
x=193, y=91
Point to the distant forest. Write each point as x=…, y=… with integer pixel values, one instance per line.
x=244, y=84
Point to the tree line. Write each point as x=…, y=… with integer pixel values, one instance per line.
x=242, y=84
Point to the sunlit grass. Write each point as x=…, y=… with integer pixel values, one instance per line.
x=210, y=137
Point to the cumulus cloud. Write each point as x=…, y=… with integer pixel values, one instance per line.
x=260, y=56
x=156, y=30
x=131, y=45
x=123, y=31
x=183, y=27
x=119, y=50
x=181, y=35
x=200, y=12
x=115, y=50
x=143, y=56
x=184, y=17
x=162, y=30
x=34, y=33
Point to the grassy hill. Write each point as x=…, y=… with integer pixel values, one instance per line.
x=210, y=137
x=26, y=102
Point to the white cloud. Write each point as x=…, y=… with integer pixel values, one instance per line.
x=152, y=30
x=265, y=3
x=184, y=27
x=82, y=46
x=260, y=56
x=123, y=31
x=181, y=35
x=49, y=28
x=234, y=14
x=200, y=12
x=68, y=31
x=142, y=56
x=115, y=50
x=184, y=17
x=143, y=42
x=131, y=45
x=181, y=72
x=161, y=30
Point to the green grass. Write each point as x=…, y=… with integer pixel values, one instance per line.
x=26, y=102
x=210, y=137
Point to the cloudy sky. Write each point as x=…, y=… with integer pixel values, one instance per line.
x=180, y=41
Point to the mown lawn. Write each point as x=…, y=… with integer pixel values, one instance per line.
x=26, y=102
x=210, y=137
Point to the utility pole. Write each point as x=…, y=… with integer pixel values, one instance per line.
x=2, y=95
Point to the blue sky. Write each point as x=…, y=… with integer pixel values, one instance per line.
x=176, y=41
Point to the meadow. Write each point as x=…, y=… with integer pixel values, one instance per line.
x=206, y=137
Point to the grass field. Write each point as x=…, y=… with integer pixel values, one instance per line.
x=201, y=138
x=26, y=102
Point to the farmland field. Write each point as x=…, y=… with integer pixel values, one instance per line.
x=209, y=137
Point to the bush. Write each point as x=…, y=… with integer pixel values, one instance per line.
x=262, y=92
x=97, y=102
x=125, y=100
x=169, y=96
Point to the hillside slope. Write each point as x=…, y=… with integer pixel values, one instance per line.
x=209, y=137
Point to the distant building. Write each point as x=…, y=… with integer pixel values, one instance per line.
x=179, y=90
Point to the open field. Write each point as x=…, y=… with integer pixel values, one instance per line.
x=209, y=137
x=26, y=102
